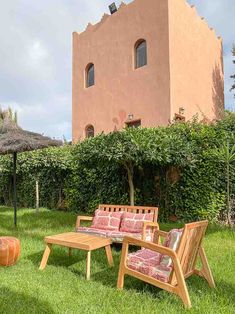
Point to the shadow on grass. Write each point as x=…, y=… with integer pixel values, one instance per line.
x=15, y=302
x=58, y=257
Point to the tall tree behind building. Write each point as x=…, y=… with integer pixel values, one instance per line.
x=233, y=76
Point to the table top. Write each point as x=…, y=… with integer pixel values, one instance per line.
x=78, y=240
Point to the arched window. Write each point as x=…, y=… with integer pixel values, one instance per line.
x=140, y=53
x=90, y=75
x=90, y=132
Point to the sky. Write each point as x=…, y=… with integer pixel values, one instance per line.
x=36, y=55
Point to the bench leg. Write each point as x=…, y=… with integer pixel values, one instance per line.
x=45, y=256
x=70, y=252
x=88, y=265
x=109, y=255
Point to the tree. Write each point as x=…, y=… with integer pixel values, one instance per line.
x=122, y=148
x=226, y=157
x=233, y=76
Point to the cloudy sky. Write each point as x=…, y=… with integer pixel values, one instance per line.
x=35, y=55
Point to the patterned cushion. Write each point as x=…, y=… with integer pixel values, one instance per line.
x=98, y=232
x=134, y=222
x=106, y=220
x=172, y=241
x=117, y=236
x=147, y=262
x=154, y=264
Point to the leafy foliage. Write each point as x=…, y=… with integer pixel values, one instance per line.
x=172, y=167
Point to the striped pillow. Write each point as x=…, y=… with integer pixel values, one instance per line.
x=172, y=242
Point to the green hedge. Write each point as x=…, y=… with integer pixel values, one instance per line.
x=171, y=167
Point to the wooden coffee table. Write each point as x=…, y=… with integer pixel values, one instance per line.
x=80, y=241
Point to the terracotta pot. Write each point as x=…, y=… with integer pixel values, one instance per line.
x=9, y=251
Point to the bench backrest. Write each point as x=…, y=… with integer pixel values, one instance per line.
x=189, y=245
x=131, y=209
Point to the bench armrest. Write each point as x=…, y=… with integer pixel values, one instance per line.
x=82, y=218
x=149, y=224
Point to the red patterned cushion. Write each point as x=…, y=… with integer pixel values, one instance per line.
x=89, y=230
x=117, y=236
x=147, y=262
x=134, y=222
x=106, y=220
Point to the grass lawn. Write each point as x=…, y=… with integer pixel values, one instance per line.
x=62, y=288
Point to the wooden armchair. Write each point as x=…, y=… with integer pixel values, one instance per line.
x=183, y=260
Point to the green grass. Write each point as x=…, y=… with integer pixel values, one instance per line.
x=62, y=288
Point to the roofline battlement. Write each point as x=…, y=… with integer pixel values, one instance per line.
x=92, y=27
x=203, y=20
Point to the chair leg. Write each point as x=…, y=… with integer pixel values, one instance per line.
x=206, y=271
x=182, y=289
x=184, y=295
x=121, y=273
x=120, y=282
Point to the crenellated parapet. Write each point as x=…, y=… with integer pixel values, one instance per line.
x=203, y=20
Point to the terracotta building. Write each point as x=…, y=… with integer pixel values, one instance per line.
x=147, y=64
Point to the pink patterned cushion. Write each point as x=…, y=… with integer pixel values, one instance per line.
x=117, y=236
x=98, y=232
x=134, y=222
x=172, y=241
x=147, y=262
x=152, y=263
x=106, y=220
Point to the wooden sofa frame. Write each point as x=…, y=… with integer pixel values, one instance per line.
x=184, y=260
x=125, y=208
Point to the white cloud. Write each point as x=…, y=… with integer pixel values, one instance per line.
x=35, y=54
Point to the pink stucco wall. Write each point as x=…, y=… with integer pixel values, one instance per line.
x=120, y=89
x=196, y=64
x=184, y=67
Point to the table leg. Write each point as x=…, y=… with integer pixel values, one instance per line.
x=70, y=252
x=45, y=256
x=109, y=255
x=88, y=265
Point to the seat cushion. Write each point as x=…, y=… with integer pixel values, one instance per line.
x=117, y=236
x=147, y=262
x=152, y=263
x=94, y=231
x=106, y=220
x=134, y=223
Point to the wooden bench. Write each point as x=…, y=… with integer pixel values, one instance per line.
x=123, y=208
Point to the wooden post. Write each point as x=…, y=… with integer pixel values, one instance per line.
x=14, y=188
x=37, y=196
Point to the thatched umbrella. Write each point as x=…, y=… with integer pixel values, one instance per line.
x=15, y=140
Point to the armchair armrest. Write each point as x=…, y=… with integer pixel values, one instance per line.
x=158, y=234
x=153, y=225
x=82, y=218
x=151, y=246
